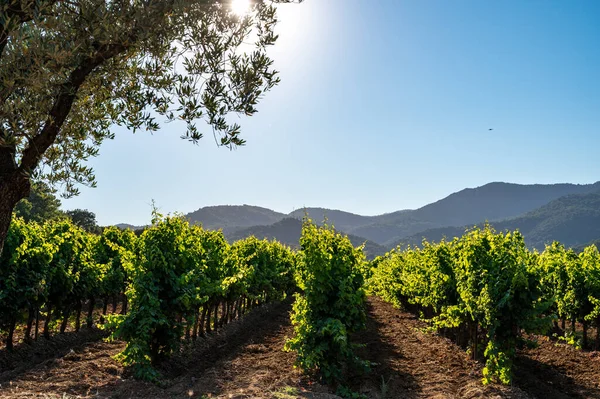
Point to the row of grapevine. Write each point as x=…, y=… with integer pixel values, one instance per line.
x=330, y=304
x=186, y=281
x=55, y=268
x=486, y=288
x=572, y=282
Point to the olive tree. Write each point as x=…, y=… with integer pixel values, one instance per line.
x=70, y=70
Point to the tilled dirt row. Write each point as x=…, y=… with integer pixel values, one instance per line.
x=246, y=360
x=412, y=363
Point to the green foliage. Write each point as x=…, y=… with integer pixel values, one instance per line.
x=56, y=267
x=40, y=206
x=165, y=275
x=176, y=268
x=572, y=283
x=114, y=248
x=348, y=393
x=482, y=281
x=70, y=70
x=331, y=302
x=84, y=219
x=24, y=270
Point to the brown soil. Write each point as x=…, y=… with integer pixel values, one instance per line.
x=558, y=371
x=245, y=360
x=19, y=334
x=411, y=363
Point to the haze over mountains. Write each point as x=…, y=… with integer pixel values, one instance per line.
x=569, y=213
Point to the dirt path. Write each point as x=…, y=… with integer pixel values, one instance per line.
x=412, y=363
x=416, y=364
x=558, y=371
x=246, y=360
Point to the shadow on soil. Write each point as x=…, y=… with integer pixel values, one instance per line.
x=383, y=381
x=195, y=360
x=541, y=380
x=26, y=356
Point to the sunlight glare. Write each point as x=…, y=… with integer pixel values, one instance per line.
x=240, y=7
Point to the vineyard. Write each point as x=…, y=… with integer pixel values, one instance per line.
x=479, y=316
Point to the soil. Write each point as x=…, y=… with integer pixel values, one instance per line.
x=558, y=371
x=246, y=360
x=19, y=333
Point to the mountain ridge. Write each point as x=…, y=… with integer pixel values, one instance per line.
x=494, y=202
x=574, y=220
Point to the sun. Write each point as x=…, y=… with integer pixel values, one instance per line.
x=240, y=7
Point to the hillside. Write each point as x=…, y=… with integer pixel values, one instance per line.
x=288, y=232
x=233, y=217
x=125, y=226
x=493, y=201
x=341, y=220
x=573, y=220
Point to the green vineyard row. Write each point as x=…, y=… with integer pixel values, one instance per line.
x=486, y=289
x=179, y=281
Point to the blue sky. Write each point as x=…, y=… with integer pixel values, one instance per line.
x=385, y=105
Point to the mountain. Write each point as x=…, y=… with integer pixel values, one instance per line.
x=233, y=217
x=493, y=201
x=574, y=220
x=339, y=219
x=125, y=226
x=288, y=230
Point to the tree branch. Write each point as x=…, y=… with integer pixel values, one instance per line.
x=63, y=104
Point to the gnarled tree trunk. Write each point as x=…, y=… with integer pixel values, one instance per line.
x=14, y=186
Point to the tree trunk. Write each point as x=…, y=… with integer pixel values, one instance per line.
x=30, y=318
x=78, y=317
x=597, y=333
x=209, y=313
x=188, y=329
x=11, y=331
x=124, y=307
x=216, y=321
x=223, y=319
x=37, y=323
x=14, y=186
x=584, y=344
x=104, y=309
x=114, y=304
x=474, y=336
x=202, y=318
x=236, y=309
x=196, y=325
x=90, y=315
x=65, y=321
x=229, y=311
x=47, y=324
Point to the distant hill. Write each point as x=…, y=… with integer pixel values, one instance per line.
x=126, y=226
x=574, y=220
x=288, y=231
x=233, y=217
x=339, y=219
x=493, y=201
